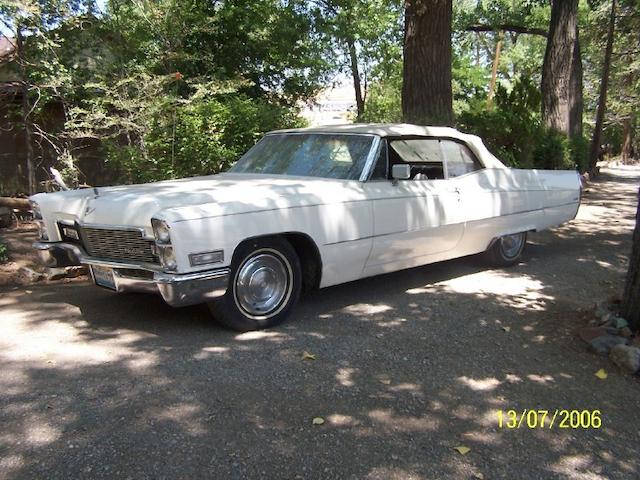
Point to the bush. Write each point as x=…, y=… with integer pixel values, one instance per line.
x=204, y=136
x=579, y=152
x=4, y=255
x=511, y=129
x=552, y=151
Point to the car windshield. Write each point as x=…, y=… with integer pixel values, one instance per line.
x=309, y=155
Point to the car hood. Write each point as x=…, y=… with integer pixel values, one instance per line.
x=223, y=194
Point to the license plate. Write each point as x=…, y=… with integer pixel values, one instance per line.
x=103, y=277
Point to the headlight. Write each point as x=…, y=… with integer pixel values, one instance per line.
x=168, y=258
x=35, y=209
x=42, y=230
x=37, y=218
x=161, y=231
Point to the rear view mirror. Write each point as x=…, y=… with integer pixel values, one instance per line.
x=401, y=171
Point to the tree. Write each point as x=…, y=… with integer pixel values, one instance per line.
x=630, y=309
x=42, y=76
x=562, y=71
x=596, y=140
x=363, y=31
x=426, y=88
x=619, y=124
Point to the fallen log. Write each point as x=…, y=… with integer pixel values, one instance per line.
x=19, y=203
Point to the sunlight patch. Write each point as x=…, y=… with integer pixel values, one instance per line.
x=344, y=377
x=543, y=379
x=366, y=309
x=480, y=385
x=260, y=335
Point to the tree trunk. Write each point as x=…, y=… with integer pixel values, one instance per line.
x=494, y=71
x=25, y=111
x=560, y=68
x=594, y=151
x=427, y=97
x=19, y=203
x=576, y=102
x=627, y=139
x=630, y=309
x=355, y=73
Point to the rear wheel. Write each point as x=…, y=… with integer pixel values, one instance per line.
x=265, y=284
x=507, y=250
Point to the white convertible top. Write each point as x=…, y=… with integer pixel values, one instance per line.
x=407, y=130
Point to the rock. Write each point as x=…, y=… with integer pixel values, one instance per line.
x=626, y=357
x=589, y=333
x=618, y=322
x=56, y=273
x=626, y=332
x=607, y=318
x=605, y=343
x=30, y=275
x=76, y=271
x=602, y=311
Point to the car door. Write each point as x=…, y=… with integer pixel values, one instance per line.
x=415, y=219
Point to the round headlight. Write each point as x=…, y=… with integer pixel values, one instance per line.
x=161, y=231
x=163, y=234
x=168, y=258
x=35, y=210
x=42, y=230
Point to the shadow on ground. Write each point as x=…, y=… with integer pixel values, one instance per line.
x=407, y=366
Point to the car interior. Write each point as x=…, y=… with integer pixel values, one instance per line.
x=425, y=164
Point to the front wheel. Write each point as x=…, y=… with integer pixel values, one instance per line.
x=507, y=250
x=265, y=284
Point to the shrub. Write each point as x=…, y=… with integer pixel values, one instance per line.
x=509, y=130
x=201, y=137
x=552, y=151
x=579, y=152
x=513, y=131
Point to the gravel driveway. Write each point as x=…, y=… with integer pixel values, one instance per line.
x=407, y=366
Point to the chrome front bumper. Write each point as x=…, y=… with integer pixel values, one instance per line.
x=178, y=290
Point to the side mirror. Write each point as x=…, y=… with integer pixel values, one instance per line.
x=401, y=171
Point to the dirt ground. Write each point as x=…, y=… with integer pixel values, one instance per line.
x=18, y=240
x=406, y=367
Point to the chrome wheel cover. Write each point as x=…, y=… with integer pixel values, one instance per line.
x=511, y=245
x=263, y=284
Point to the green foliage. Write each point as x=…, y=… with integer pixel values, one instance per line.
x=148, y=133
x=552, y=151
x=384, y=102
x=168, y=88
x=579, y=153
x=208, y=135
x=4, y=256
x=512, y=128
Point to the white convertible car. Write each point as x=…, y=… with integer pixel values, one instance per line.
x=304, y=208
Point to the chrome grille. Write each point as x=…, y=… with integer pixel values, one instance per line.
x=112, y=244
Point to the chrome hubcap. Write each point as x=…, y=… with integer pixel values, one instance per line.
x=511, y=244
x=262, y=284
